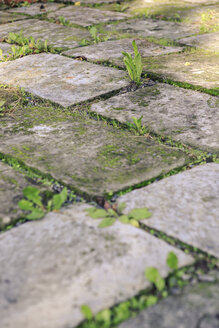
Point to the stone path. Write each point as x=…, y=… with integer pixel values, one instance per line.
x=108, y=190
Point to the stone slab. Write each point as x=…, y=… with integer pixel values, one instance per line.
x=63, y=80
x=50, y=268
x=56, y=34
x=89, y=155
x=154, y=28
x=196, y=67
x=36, y=8
x=196, y=306
x=112, y=50
x=12, y=184
x=6, y=17
x=184, y=206
x=209, y=41
x=187, y=116
x=87, y=16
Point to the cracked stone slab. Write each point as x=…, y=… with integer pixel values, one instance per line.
x=91, y=156
x=36, y=8
x=63, y=80
x=12, y=184
x=6, y=17
x=184, y=206
x=112, y=50
x=187, y=116
x=196, y=67
x=209, y=41
x=154, y=28
x=87, y=16
x=51, y=267
x=195, y=306
x=56, y=34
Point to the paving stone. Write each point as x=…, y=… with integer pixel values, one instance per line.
x=87, y=16
x=90, y=155
x=56, y=34
x=60, y=79
x=51, y=267
x=36, y=8
x=12, y=184
x=197, y=67
x=6, y=17
x=187, y=116
x=154, y=28
x=196, y=306
x=112, y=50
x=184, y=206
x=207, y=41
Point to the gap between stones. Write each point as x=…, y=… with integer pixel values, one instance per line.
x=131, y=307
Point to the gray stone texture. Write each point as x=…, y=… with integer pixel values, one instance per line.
x=199, y=67
x=12, y=184
x=49, y=268
x=184, y=206
x=37, y=8
x=93, y=157
x=5, y=47
x=63, y=80
x=87, y=16
x=154, y=28
x=187, y=116
x=6, y=17
x=196, y=307
x=209, y=41
x=112, y=50
x=56, y=34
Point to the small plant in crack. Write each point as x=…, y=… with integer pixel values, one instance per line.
x=25, y=46
x=96, y=37
x=33, y=202
x=111, y=215
x=133, y=65
x=63, y=21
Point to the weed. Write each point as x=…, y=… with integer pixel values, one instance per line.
x=96, y=37
x=33, y=202
x=133, y=66
x=111, y=215
x=26, y=46
x=63, y=21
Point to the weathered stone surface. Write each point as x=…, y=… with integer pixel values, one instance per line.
x=6, y=17
x=88, y=154
x=196, y=306
x=5, y=47
x=50, y=268
x=87, y=16
x=12, y=184
x=57, y=35
x=154, y=28
x=184, y=206
x=36, y=8
x=187, y=116
x=112, y=50
x=209, y=41
x=60, y=79
x=197, y=67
